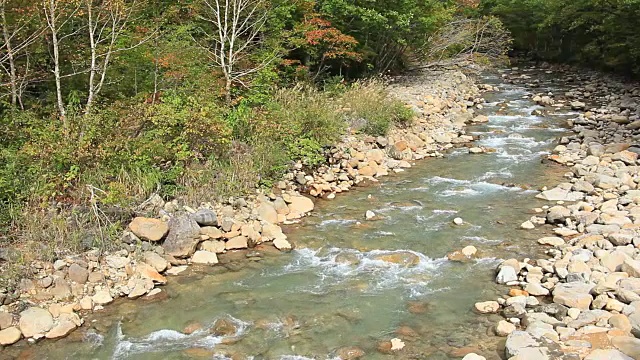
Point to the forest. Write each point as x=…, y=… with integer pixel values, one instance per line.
x=599, y=34
x=104, y=102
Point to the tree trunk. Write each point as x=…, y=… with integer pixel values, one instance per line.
x=227, y=88
x=13, y=79
x=92, y=71
x=51, y=14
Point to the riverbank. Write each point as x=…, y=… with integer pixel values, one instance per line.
x=51, y=303
x=582, y=302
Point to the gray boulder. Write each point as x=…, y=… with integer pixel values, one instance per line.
x=183, y=238
x=206, y=217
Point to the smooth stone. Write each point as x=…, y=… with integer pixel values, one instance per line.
x=609, y=354
x=204, y=257
x=10, y=336
x=487, y=307
x=102, y=297
x=148, y=228
x=35, y=321
x=576, y=295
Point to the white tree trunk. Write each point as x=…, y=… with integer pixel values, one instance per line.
x=51, y=13
x=13, y=78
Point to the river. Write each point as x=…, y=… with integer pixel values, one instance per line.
x=333, y=291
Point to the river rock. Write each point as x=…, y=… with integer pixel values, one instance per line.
x=525, y=346
x=607, y=354
x=282, y=244
x=403, y=258
x=156, y=261
x=216, y=246
x=577, y=105
x=506, y=275
x=350, y=353
x=148, y=229
x=116, y=262
x=573, y=294
x=267, y=212
x=480, y=119
x=628, y=345
x=224, y=327
x=551, y=240
x=102, y=297
x=473, y=356
x=536, y=289
x=35, y=321
x=238, y=242
x=205, y=217
x=212, y=232
x=504, y=328
x=559, y=194
x=204, y=257
x=300, y=205
x=65, y=324
x=631, y=267
x=6, y=319
x=146, y=271
x=10, y=336
x=183, y=238
x=527, y=225
x=487, y=307
x=78, y=274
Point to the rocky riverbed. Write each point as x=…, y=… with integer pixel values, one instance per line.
x=169, y=237
x=582, y=301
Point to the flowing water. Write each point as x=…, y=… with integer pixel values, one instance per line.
x=334, y=291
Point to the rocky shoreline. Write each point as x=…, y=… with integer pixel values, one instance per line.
x=168, y=237
x=583, y=301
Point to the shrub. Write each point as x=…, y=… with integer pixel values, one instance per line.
x=303, y=112
x=368, y=108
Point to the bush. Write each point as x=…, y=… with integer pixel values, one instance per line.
x=368, y=108
x=303, y=112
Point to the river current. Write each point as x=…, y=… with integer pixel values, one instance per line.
x=334, y=291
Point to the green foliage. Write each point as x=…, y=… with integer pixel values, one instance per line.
x=592, y=32
x=308, y=151
x=369, y=108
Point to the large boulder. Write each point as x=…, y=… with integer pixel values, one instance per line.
x=525, y=346
x=573, y=295
x=149, y=229
x=183, y=238
x=268, y=213
x=300, y=205
x=35, y=321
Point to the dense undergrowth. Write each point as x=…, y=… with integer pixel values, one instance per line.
x=74, y=189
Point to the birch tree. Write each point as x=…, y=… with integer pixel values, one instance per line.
x=235, y=30
x=57, y=13
x=18, y=34
x=108, y=21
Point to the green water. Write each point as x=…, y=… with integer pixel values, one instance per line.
x=332, y=292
